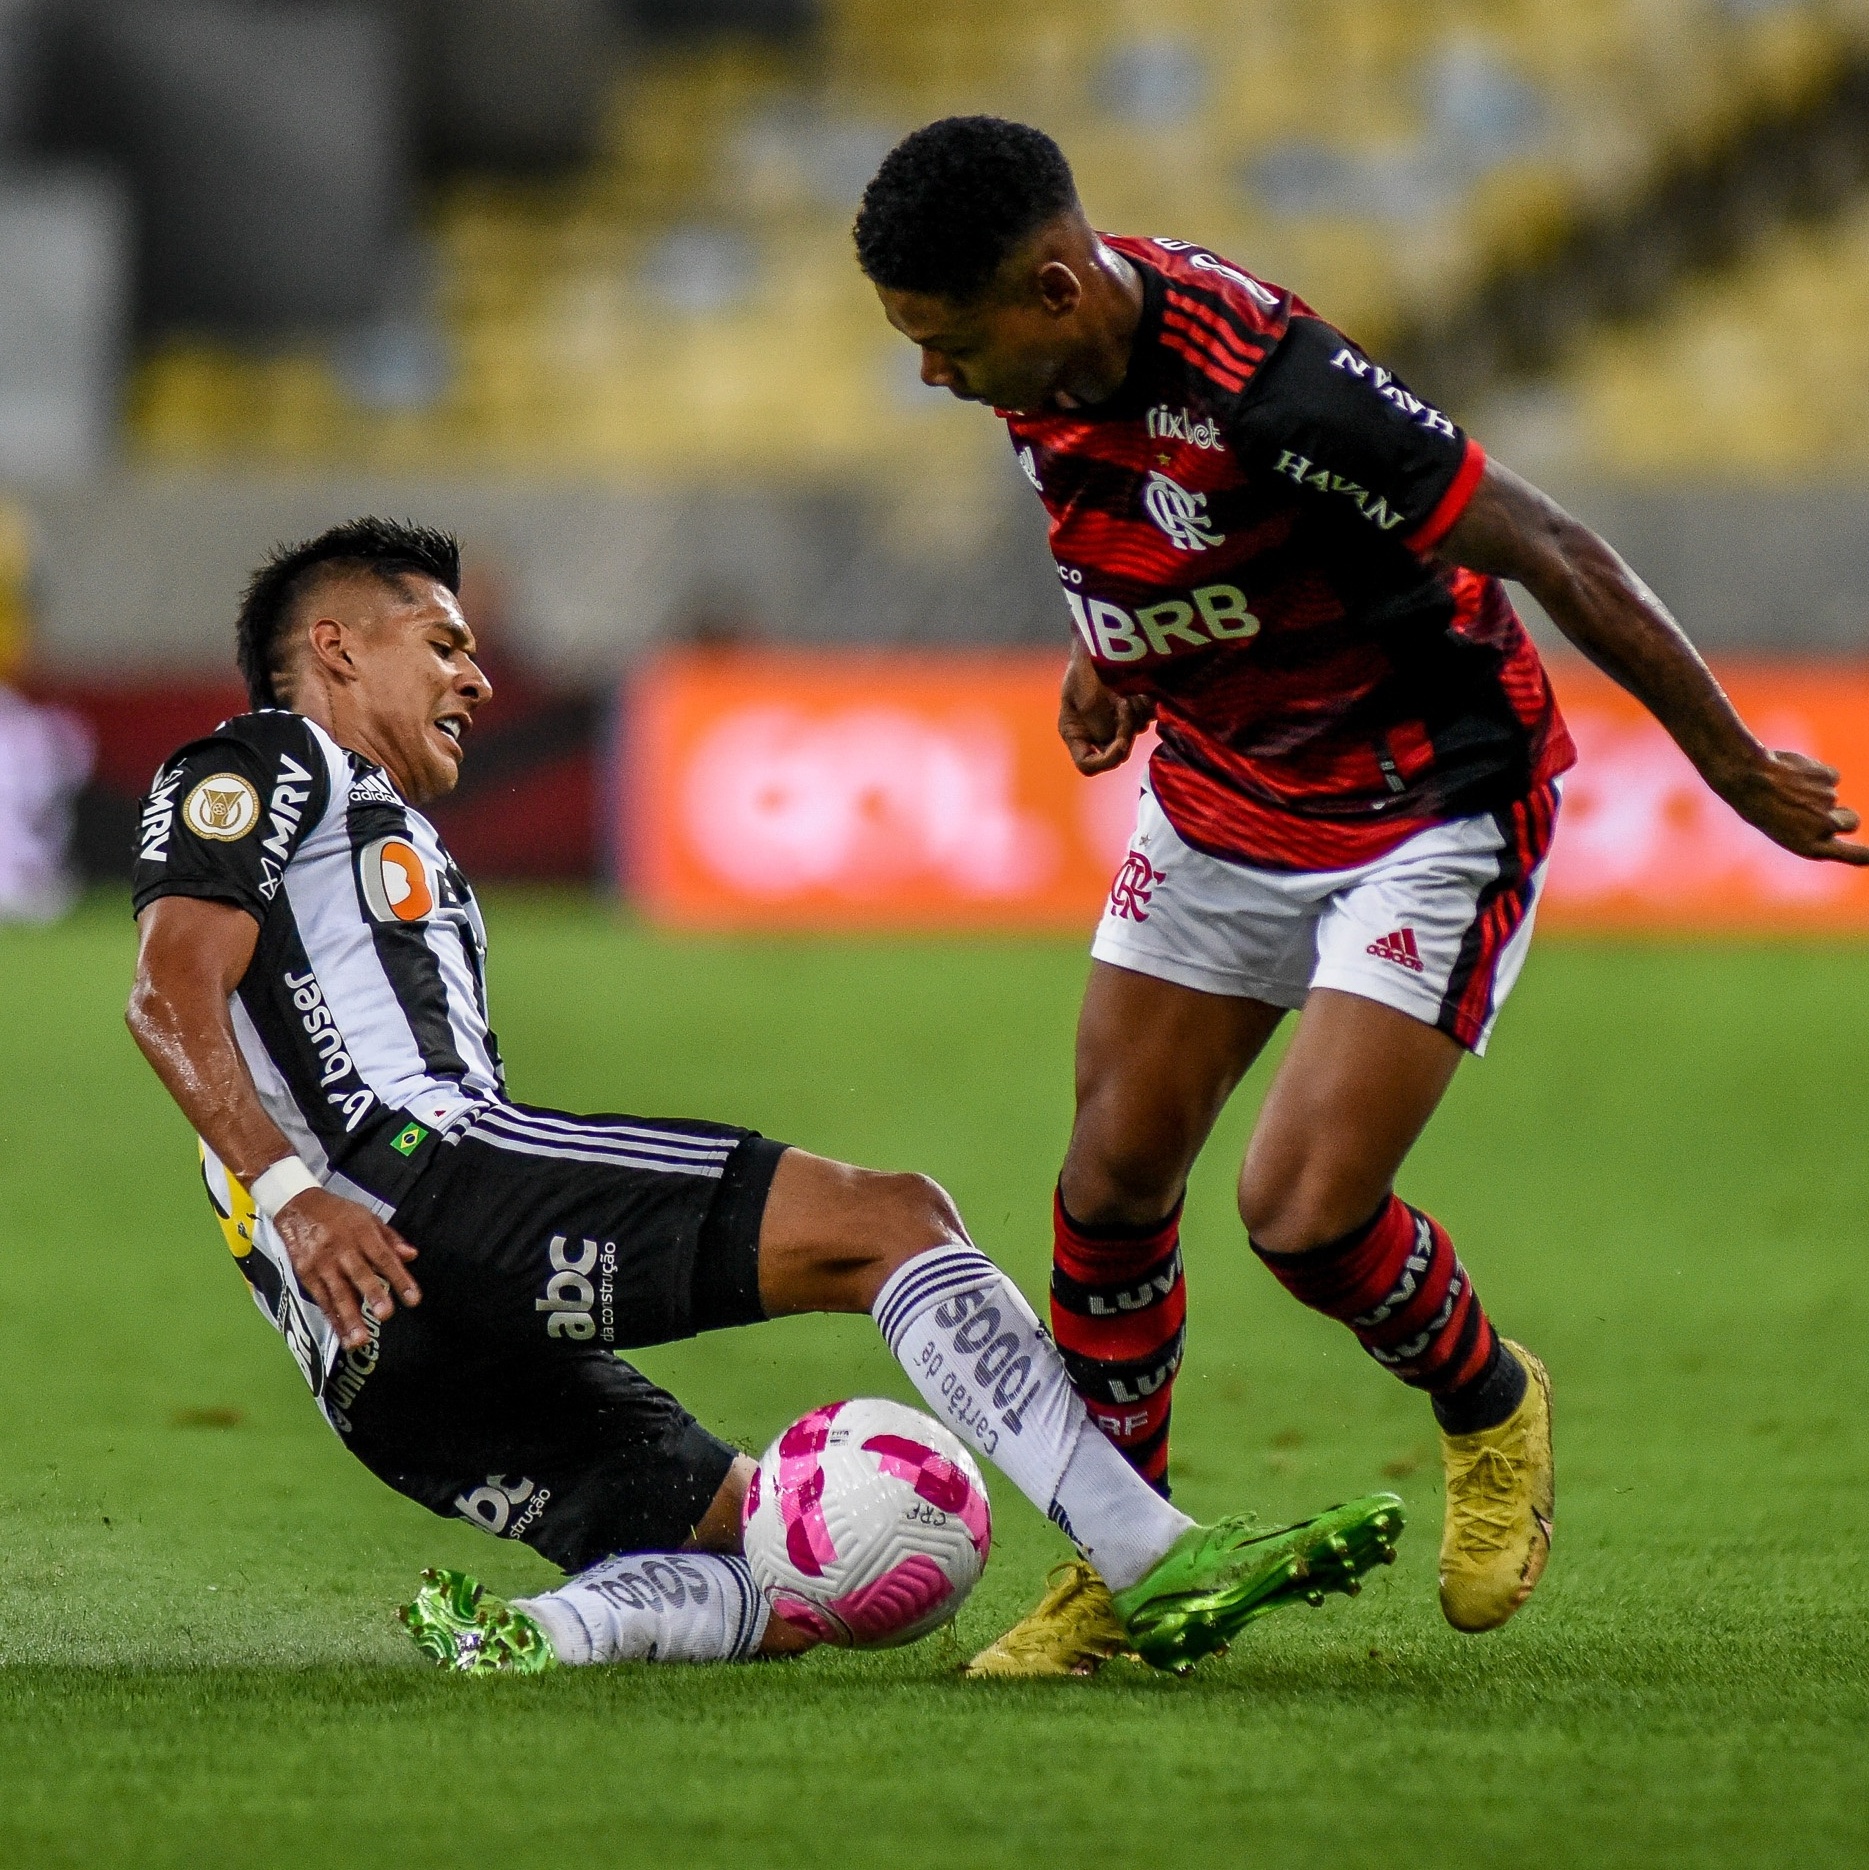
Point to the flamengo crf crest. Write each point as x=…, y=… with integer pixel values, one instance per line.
x=1180, y=514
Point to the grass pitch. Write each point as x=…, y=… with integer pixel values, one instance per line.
x=1659, y=1180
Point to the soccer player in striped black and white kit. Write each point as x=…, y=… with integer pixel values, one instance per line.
x=311, y=988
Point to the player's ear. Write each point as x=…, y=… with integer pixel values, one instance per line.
x=330, y=647
x=1060, y=291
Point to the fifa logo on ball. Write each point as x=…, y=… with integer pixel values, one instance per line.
x=569, y=1294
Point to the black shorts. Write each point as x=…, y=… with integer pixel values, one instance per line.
x=545, y=1244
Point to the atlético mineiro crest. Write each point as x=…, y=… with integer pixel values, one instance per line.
x=1135, y=884
x=1181, y=514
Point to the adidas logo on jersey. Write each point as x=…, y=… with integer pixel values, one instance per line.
x=372, y=788
x=1399, y=948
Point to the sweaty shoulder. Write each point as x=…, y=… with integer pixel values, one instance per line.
x=1343, y=429
x=225, y=813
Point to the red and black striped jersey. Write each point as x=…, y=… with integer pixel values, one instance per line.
x=1244, y=534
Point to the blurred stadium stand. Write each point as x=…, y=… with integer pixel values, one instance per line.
x=574, y=276
x=684, y=304
x=1755, y=373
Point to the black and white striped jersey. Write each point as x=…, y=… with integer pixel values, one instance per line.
x=363, y=1016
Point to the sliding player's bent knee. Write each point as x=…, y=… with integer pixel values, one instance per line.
x=913, y=1214
x=833, y=1233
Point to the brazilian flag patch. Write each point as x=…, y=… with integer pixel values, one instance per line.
x=409, y=1141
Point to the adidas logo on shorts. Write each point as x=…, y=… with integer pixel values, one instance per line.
x=1399, y=948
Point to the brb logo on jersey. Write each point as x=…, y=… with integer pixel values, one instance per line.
x=1180, y=514
x=396, y=883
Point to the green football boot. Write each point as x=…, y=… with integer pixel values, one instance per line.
x=460, y=1626
x=1215, y=1579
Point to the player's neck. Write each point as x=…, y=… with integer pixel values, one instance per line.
x=347, y=726
x=1111, y=315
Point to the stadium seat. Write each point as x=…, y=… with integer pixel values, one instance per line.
x=687, y=304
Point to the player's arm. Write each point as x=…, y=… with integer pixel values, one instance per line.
x=1097, y=725
x=1511, y=530
x=193, y=954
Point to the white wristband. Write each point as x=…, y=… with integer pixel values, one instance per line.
x=285, y=1181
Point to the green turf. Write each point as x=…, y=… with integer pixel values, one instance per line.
x=1659, y=1180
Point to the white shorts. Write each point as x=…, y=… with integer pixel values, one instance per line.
x=1436, y=928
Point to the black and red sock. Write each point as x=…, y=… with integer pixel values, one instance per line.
x=1398, y=1284
x=1119, y=1315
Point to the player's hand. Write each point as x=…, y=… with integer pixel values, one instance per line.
x=1097, y=725
x=1793, y=800
x=346, y=1259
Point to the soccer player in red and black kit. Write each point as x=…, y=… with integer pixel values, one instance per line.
x=1289, y=563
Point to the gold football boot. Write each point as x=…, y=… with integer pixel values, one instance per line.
x=1074, y=1631
x=1500, y=1492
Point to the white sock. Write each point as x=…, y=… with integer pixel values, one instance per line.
x=985, y=1365
x=654, y=1607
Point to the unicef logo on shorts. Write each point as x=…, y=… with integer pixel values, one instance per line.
x=1180, y=514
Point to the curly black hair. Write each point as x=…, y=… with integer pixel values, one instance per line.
x=383, y=548
x=953, y=199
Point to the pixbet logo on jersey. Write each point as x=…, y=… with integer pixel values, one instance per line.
x=1180, y=513
x=1178, y=425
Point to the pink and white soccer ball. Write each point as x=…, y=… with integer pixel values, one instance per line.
x=867, y=1524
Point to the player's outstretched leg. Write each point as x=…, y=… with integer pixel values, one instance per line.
x=834, y=1237
x=644, y=1607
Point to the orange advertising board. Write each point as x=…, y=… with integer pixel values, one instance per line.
x=1642, y=843
x=885, y=790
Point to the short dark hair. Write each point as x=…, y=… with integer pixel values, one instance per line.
x=382, y=548
x=953, y=199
